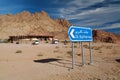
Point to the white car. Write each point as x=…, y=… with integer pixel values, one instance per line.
x=35, y=43
x=55, y=41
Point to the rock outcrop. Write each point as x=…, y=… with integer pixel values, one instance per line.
x=102, y=36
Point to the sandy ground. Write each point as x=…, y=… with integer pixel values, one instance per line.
x=53, y=62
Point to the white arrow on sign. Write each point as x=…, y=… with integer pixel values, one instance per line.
x=71, y=33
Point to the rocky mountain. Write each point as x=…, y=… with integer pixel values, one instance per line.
x=40, y=23
x=25, y=23
x=102, y=36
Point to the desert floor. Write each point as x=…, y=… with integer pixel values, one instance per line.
x=54, y=61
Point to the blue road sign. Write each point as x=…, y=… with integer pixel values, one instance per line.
x=77, y=34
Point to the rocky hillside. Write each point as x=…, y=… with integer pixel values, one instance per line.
x=38, y=23
x=102, y=36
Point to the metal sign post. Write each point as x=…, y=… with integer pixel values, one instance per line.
x=82, y=50
x=72, y=55
x=90, y=53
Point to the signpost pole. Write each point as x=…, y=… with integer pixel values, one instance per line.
x=82, y=49
x=90, y=53
x=72, y=55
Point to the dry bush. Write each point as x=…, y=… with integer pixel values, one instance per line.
x=86, y=46
x=56, y=51
x=115, y=51
x=97, y=47
x=108, y=47
x=66, y=46
x=46, y=42
x=75, y=46
x=100, y=51
x=59, y=57
x=57, y=47
x=69, y=53
x=18, y=51
x=78, y=54
x=40, y=54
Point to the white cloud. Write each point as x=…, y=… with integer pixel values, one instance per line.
x=113, y=26
x=83, y=3
x=88, y=12
x=69, y=10
x=74, y=6
x=96, y=17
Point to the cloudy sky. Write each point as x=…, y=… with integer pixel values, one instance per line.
x=97, y=14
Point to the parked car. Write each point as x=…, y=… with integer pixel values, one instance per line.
x=35, y=43
x=55, y=41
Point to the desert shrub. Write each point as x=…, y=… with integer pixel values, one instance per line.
x=57, y=47
x=69, y=53
x=46, y=42
x=59, y=57
x=40, y=54
x=86, y=46
x=108, y=47
x=75, y=46
x=115, y=51
x=66, y=46
x=17, y=42
x=100, y=51
x=55, y=51
x=78, y=54
x=96, y=47
x=18, y=51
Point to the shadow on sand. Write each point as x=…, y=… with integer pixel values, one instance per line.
x=47, y=60
x=56, y=62
x=118, y=60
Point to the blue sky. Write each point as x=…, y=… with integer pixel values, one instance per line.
x=97, y=14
